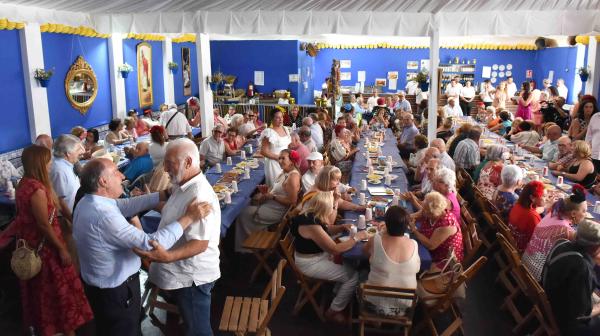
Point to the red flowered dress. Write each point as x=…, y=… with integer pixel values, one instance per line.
x=489, y=179
x=53, y=301
x=455, y=241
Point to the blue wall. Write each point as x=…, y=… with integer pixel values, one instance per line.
x=60, y=51
x=178, y=76
x=560, y=60
x=306, y=65
x=15, y=124
x=277, y=59
x=131, y=87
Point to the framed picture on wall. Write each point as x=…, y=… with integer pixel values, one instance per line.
x=187, y=71
x=144, y=65
x=380, y=82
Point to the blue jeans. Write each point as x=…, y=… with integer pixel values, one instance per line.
x=194, y=306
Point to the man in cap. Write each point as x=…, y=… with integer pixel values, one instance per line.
x=569, y=280
x=315, y=163
x=175, y=123
x=212, y=149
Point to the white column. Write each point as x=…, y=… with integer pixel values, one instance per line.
x=434, y=61
x=593, y=62
x=204, y=72
x=168, y=77
x=32, y=58
x=117, y=84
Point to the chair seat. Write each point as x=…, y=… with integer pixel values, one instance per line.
x=243, y=314
x=374, y=317
x=261, y=240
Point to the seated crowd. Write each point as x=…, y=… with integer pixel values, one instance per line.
x=308, y=162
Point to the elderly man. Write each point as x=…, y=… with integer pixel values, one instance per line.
x=431, y=168
x=402, y=104
x=67, y=150
x=467, y=154
x=141, y=163
x=44, y=140
x=306, y=138
x=294, y=118
x=316, y=132
x=315, y=163
x=297, y=145
x=406, y=141
x=247, y=129
x=430, y=153
x=212, y=149
x=565, y=158
x=445, y=159
x=104, y=239
x=452, y=109
x=175, y=123
x=548, y=149
x=569, y=281
x=188, y=270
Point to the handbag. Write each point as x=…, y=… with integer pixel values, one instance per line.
x=26, y=262
x=432, y=283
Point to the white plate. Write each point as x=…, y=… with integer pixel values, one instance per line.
x=374, y=181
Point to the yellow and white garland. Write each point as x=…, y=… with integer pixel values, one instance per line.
x=385, y=45
x=185, y=38
x=5, y=24
x=145, y=37
x=66, y=29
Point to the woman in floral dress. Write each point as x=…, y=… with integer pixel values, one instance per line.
x=489, y=176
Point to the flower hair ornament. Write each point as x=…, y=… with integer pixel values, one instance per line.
x=578, y=194
x=294, y=157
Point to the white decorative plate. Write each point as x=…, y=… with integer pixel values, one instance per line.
x=509, y=67
x=495, y=67
x=501, y=67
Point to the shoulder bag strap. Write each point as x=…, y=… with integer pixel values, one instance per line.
x=171, y=119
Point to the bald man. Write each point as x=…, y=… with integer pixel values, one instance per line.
x=445, y=159
x=44, y=140
x=548, y=149
x=141, y=163
x=565, y=156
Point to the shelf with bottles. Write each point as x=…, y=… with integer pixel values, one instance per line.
x=447, y=77
x=458, y=68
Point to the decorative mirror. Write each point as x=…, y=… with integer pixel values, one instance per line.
x=81, y=85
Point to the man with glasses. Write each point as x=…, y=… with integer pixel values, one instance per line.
x=212, y=149
x=248, y=129
x=565, y=155
x=406, y=141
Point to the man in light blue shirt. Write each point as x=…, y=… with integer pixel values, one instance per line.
x=141, y=163
x=406, y=141
x=105, y=240
x=402, y=103
x=66, y=150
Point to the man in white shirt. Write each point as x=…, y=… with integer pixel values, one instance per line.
x=315, y=131
x=563, y=91
x=452, y=109
x=212, y=149
x=511, y=87
x=315, y=163
x=411, y=87
x=189, y=269
x=453, y=88
x=175, y=123
x=306, y=138
x=67, y=150
x=445, y=159
x=592, y=137
x=402, y=103
x=372, y=101
x=546, y=87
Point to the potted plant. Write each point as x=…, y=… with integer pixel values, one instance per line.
x=584, y=73
x=173, y=66
x=43, y=76
x=422, y=78
x=215, y=80
x=125, y=69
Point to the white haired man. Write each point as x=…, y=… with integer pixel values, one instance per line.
x=212, y=149
x=175, y=123
x=66, y=150
x=190, y=268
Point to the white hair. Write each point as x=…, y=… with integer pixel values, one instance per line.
x=65, y=144
x=185, y=148
x=236, y=120
x=511, y=175
x=447, y=176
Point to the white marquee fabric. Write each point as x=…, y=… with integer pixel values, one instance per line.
x=311, y=18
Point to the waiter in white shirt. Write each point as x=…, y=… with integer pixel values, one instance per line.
x=453, y=88
x=452, y=109
x=467, y=94
x=175, y=123
x=511, y=87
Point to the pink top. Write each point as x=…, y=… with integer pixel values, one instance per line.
x=545, y=234
x=455, y=241
x=455, y=205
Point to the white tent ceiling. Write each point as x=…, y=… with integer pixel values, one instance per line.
x=312, y=18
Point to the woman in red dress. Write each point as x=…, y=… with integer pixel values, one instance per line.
x=53, y=301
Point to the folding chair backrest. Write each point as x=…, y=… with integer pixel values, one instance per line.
x=470, y=236
x=505, y=231
x=537, y=295
x=276, y=291
x=287, y=246
x=367, y=290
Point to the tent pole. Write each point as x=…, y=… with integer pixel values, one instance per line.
x=434, y=60
x=204, y=73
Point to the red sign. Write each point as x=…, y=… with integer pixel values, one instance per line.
x=529, y=74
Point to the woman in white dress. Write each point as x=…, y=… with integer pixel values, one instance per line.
x=273, y=140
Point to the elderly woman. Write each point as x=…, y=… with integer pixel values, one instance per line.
x=461, y=133
x=443, y=180
x=314, y=245
x=582, y=168
x=525, y=135
x=421, y=145
x=439, y=231
x=158, y=146
x=488, y=174
x=91, y=143
x=141, y=127
x=116, y=134
x=557, y=225
x=341, y=149
x=273, y=202
x=53, y=301
x=232, y=146
x=504, y=196
x=79, y=132
x=394, y=261
x=67, y=151
x=273, y=140
x=380, y=118
x=523, y=217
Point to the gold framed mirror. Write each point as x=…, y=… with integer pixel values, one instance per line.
x=81, y=85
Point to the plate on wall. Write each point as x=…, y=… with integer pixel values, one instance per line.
x=493, y=80
x=501, y=74
x=495, y=67
x=508, y=73
x=494, y=74
x=501, y=67
x=509, y=67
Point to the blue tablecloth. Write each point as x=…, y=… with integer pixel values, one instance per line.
x=359, y=172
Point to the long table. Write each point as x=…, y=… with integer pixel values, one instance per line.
x=360, y=171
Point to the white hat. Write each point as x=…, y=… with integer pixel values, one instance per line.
x=314, y=156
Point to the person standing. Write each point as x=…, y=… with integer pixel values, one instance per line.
x=524, y=102
x=190, y=268
x=104, y=239
x=53, y=301
x=175, y=123
x=67, y=150
x=467, y=94
x=274, y=140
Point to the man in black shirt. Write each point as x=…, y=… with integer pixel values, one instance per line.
x=569, y=280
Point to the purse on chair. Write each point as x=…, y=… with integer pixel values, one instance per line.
x=26, y=262
x=433, y=283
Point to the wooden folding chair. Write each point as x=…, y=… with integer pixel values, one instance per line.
x=437, y=305
x=370, y=291
x=471, y=240
x=500, y=256
x=263, y=243
x=308, y=286
x=251, y=315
